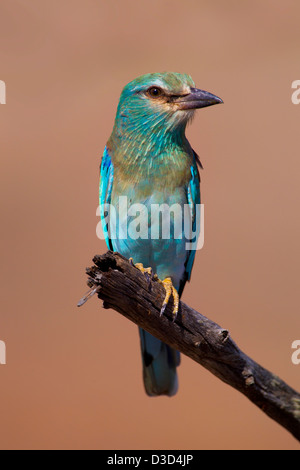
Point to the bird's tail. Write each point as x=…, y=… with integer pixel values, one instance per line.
x=159, y=366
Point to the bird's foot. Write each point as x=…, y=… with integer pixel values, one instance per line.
x=170, y=290
x=148, y=272
x=168, y=286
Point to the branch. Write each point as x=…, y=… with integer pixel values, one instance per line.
x=125, y=289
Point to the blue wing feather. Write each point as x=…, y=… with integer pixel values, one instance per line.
x=193, y=197
x=106, y=184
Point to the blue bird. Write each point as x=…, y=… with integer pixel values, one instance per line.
x=149, y=164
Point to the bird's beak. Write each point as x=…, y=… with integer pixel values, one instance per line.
x=197, y=99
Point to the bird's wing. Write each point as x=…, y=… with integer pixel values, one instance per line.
x=106, y=184
x=193, y=198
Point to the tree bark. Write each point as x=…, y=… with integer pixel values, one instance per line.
x=125, y=289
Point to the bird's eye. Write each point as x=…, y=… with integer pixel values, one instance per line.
x=154, y=92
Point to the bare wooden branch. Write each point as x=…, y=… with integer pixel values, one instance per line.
x=125, y=289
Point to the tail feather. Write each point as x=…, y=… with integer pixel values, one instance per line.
x=159, y=366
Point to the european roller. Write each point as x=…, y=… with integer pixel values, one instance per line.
x=148, y=161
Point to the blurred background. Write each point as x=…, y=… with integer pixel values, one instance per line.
x=73, y=376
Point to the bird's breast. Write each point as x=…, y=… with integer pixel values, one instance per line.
x=152, y=230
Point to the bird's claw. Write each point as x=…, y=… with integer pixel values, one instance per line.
x=148, y=272
x=168, y=285
x=170, y=290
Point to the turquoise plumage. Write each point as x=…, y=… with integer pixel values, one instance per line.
x=149, y=162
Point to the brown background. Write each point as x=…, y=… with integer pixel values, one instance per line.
x=73, y=376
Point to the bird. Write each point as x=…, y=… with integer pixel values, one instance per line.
x=149, y=162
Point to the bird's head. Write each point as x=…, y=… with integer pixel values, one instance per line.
x=161, y=101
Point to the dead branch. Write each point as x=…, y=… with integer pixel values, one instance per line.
x=125, y=289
